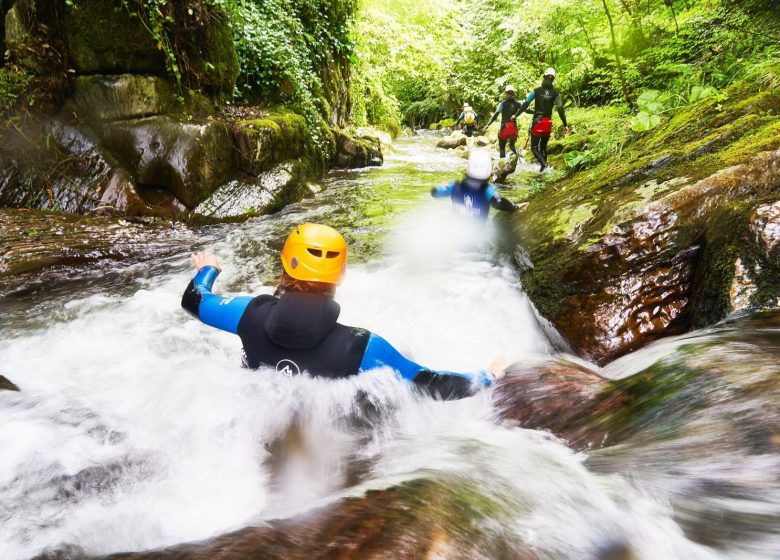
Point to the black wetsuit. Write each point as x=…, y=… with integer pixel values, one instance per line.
x=508, y=108
x=545, y=98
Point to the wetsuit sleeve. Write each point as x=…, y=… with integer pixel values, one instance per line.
x=460, y=118
x=441, y=192
x=214, y=310
x=495, y=115
x=526, y=103
x=446, y=384
x=559, y=107
x=499, y=202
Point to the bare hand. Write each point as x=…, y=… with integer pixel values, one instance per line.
x=497, y=367
x=199, y=260
x=566, y=130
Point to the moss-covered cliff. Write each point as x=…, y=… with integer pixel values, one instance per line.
x=676, y=231
x=122, y=107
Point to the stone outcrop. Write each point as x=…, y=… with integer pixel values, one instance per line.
x=648, y=244
x=353, y=150
x=452, y=141
x=128, y=139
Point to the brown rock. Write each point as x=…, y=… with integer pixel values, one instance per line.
x=416, y=520
x=453, y=141
x=7, y=385
x=121, y=194
x=561, y=396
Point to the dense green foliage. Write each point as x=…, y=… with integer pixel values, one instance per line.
x=423, y=60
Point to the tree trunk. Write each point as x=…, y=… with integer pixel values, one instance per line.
x=617, y=55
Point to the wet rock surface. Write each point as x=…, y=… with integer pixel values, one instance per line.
x=189, y=160
x=34, y=240
x=418, y=519
x=697, y=416
x=661, y=240
x=255, y=196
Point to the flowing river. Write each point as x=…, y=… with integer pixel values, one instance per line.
x=136, y=428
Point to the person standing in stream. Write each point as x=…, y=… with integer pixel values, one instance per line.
x=509, y=108
x=545, y=98
x=469, y=118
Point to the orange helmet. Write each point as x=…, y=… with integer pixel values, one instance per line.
x=315, y=253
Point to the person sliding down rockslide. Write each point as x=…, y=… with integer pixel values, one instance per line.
x=474, y=195
x=545, y=97
x=298, y=331
x=508, y=109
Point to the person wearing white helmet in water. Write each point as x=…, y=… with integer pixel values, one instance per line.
x=474, y=195
x=469, y=118
x=545, y=98
x=508, y=109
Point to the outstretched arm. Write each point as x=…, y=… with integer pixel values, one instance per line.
x=495, y=115
x=441, y=192
x=212, y=309
x=499, y=202
x=446, y=384
x=460, y=118
x=526, y=103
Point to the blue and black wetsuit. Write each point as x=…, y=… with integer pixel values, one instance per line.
x=299, y=333
x=474, y=198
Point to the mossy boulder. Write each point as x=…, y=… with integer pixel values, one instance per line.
x=104, y=37
x=263, y=142
x=188, y=160
x=353, y=151
x=645, y=244
x=122, y=97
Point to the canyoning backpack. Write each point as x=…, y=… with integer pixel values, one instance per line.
x=469, y=117
x=542, y=128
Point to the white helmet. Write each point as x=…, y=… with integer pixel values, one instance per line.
x=480, y=165
x=466, y=106
x=511, y=88
x=549, y=72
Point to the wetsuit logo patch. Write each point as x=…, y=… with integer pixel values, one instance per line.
x=288, y=367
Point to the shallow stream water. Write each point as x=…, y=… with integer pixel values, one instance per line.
x=136, y=427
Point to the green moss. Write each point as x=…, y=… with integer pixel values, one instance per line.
x=104, y=37
x=214, y=65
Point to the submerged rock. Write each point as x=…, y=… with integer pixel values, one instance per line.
x=418, y=519
x=7, y=385
x=452, y=141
